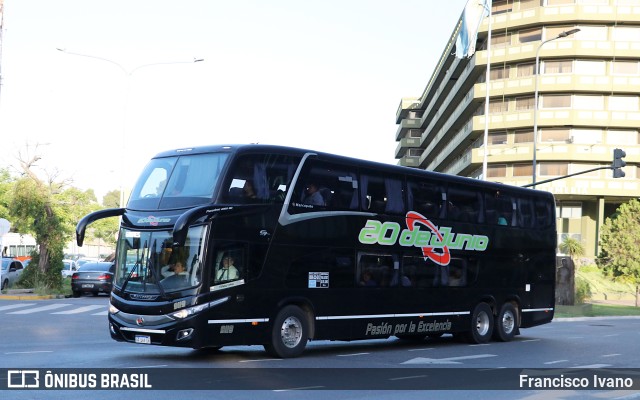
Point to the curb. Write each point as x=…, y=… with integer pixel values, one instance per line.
x=27, y=294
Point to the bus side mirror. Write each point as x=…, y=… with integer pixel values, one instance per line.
x=81, y=228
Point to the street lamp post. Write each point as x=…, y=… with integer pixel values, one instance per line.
x=535, y=96
x=127, y=73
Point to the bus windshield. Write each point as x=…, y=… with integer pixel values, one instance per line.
x=149, y=264
x=177, y=182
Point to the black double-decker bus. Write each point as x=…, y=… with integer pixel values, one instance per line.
x=276, y=246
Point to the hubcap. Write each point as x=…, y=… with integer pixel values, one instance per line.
x=291, y=332
x=508, y=322
x=482, y=324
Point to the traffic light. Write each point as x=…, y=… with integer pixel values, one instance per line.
x=618, y=163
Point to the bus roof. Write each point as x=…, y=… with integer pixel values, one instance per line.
x=390, y=168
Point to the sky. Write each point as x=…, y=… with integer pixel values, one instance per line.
x=326, y=76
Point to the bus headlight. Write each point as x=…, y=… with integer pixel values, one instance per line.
x=188, y=312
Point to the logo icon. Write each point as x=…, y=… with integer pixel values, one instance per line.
x=21, y=379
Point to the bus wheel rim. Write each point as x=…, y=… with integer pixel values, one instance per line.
x=482, y=324
x=291, y=332
x=508, y=322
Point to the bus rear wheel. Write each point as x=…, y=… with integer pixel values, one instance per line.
x=481, y=324
x=506, y=324
x=289, y=334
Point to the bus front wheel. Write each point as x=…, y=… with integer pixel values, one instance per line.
x=289, y=334
x=506, y=324
x=481, y=324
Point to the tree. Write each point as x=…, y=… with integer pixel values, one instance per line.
x=620, y=241
x=573, y=247
x=6, y=188
x=111, y=199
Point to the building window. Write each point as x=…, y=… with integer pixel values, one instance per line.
x=586, y=136
x=415, y=152
x=498, y=106
x=414, y=133
x=499, y=73
x=569, y=210
x=528, y=4
x=523, y=137
x=623, y=103
x=622, y=137
x=524, y=103
x=625, y=67
x=589, y=67
x=555, y=135
x=554, y=169
x=557, y=67
x=497, y=138
x=500, y=41
x=597, y=33
x=626, y=34
x=530, y=35
x=551, y=32
x=526, y=69
x=501, y=6
x=583, y=102
x=556, y=101
x=522, y=169
x=497, y=171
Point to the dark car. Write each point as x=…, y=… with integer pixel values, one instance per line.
x=93, y=277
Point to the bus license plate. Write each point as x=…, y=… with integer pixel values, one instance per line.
x=143, y=339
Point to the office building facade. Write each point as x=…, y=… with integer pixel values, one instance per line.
x=588, y=89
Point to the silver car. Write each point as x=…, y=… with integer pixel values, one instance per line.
x=11, y=271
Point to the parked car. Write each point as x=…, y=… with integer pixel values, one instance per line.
x=84, y=260
x=93, y=277
x=68, y=268
x=11, y=271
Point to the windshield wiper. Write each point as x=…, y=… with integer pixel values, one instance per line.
x=135, y=266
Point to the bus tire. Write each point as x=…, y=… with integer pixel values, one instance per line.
x=506, y=324
x=481, y=327
x=289, y=333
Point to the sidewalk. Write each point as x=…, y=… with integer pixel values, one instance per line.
x=27, y=294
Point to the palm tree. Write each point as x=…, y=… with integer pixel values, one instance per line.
x=573, y=247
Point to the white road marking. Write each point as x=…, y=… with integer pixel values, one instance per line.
x=80, y=310
x=450, y=360
x=38, y=309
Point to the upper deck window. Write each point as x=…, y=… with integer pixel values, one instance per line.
x=181, y=181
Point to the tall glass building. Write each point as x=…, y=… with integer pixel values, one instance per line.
x=588, y=87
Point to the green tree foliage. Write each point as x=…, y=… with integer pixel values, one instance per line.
x=6, y=187
x=620, y=241
x=111, y=199
x=573, y=247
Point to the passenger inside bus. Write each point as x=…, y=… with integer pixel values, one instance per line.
x=313, y=196
x=179, y=278
x=227, y=270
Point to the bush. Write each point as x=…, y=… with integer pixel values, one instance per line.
x=583, y=290
x=44, y=283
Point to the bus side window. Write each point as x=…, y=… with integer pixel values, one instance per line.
x=421, y=273
x=498, y=208
x=525, y=213
x=464, y=205
x=374, y=270
x=544, y=213
x=424, y=198
x=335, y=188
x=381, y=194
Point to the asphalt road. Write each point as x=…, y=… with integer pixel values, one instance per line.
x=72, y=334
